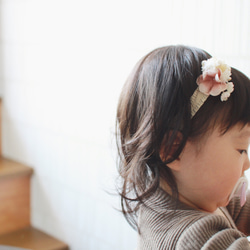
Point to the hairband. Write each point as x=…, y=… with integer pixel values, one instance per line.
x=214, y=81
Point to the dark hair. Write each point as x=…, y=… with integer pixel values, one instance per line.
x=154, y=109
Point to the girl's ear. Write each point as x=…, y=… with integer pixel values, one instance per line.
x=174, y=165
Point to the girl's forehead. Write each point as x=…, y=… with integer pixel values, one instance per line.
x=241, y=132
x=245, y=133
x=237, y=132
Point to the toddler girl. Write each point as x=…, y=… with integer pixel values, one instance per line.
x=183, y=131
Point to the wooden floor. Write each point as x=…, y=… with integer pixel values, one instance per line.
x=32, y=238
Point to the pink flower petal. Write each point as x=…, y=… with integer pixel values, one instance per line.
x=218, y=88
x=210, y=84
x=205, y=87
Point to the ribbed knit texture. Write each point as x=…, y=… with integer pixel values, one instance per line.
x=163, y=226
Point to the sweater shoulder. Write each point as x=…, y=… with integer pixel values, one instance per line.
x=162, y=225
x=162, y=228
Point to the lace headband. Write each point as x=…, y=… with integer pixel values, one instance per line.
x=214, y=81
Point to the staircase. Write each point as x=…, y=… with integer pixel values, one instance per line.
x=15, y=227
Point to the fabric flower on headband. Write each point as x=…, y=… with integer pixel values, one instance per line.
x=214, y=81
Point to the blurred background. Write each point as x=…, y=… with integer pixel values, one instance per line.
x=62, y=67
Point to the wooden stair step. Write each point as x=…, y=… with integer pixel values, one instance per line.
x=9, y=168
x=15, y=229
x=32, y=238
x=14, y=195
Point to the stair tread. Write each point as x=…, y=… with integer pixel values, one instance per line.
x=10, y=168
x=32, y=238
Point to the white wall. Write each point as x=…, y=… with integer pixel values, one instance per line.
x=62, y=66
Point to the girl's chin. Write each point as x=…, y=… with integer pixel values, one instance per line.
x=212, y=209
x=224, y=203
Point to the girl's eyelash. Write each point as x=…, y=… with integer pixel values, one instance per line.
x=241, y=151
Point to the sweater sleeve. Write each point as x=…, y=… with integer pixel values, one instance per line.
x=240, y=215
x=212, y=232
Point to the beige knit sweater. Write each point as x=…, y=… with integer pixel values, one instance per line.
x=164, y=227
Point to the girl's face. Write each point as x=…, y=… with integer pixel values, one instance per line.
x=206, y=177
